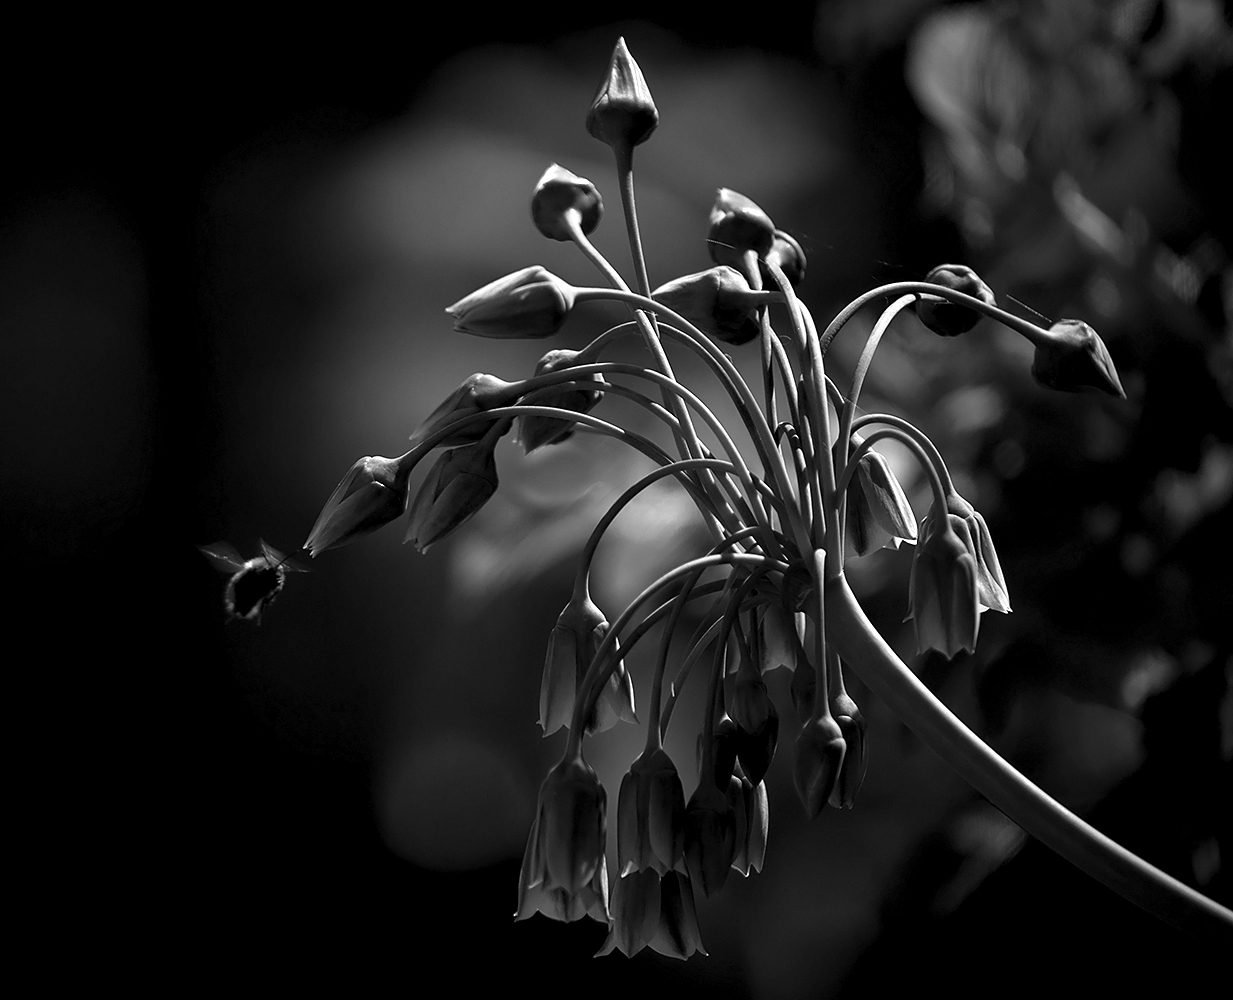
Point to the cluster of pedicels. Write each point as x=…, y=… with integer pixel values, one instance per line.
x=781, y=529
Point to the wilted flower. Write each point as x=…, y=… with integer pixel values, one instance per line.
x=851, y=723
x=710, y=836
x=942, y=589
x=622, y=113
x=1073, y=358
x=456, y=487
x=878, y=512
x=575, y=640
x=532, y=302
x=651, y=816
x=372, y=494
x=533, y=431
x=559, y=191
x=990, y=584
x=737, y=227
x=657, y=912
x=719, y=302
x=788, y=256
x=478, y=392
x=820, y=750
x=946, y=318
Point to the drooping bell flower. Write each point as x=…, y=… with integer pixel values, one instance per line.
x=531, y=303
x=719, y=302
x=943, y=593
x=775, y=641
x=477, y=393
x=534, y=431
x=723, y=759
x=536, y=894
x=820, y=750
x=852, y=725
x=757, y=721
x=946, y=318
x=575, y=639
x=990, y=584
x=560, y=192
x=372, y=494
x=456, y=487
x=1074, y=358
x=738, y=226
x=622, y=113
x=710, y=836
x=651, y=816
x=878, y=512
x=656, y=912
x=752, y=826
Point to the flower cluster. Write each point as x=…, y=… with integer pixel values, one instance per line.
x=782, y=521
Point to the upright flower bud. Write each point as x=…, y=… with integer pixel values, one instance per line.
x=534, y=432
x=372, y=494
x=737, y=227
x=560, y=192
x=949, y=319
x=575, y=640
x=477, y=393
x=651, y=816
x=719, y=302
x=990, y=584
x=456, y=487
x=1073, y=358
x=622, y=113
x=820, y=750
x=878, y=512
x=531, y=303
x=788, y=256
x=942, y=590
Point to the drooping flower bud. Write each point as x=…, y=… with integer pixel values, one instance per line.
x=878, y=512
x=724, y=754
x=533, y=431
x=788, y=256
x=575, y=640
x=820, y=750
x=949, y=319
x=622, y=113
x=752, y=823
x=456, y=487
x=942, y=589
x=559, y=192
x=372, y=494
x=737, y=227
x=757, y=721
x=1073, y=358
x=851, y=723
x=719, y=302
x=651, y=816
x=478, y=392
x=710, y=836
x=531, y=303
x=990, y=584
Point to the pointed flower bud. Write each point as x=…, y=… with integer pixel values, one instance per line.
x=710, y=836
x=943, y=590
x=1073, y=358
x=788, y=256
x=456, y=487
x=719, y=302
x=478, y=392
x=530, y=303
x=738, y=226
x=990, y=584
x=654, y=911
x=622, y=113
x=949, y=319
x=558, y=192
x=651, y=816
x=878, y=512
x=534, y=432
x=575, y=640
x=852, y=772
x=372, y=494
x=820, y=750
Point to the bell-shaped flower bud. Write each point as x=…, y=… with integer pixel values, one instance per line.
x=456, y=487
x=560, y=192
x=372, y=493
x=949, y=319
x=710, y=836
x=820, y=750
x=1073, y=358
x=788, y=256
x=531, y=303
x=537, y=893
x=942, y=589
x=878, y=512
x=851, y=723
x=738, y=226
x=478, y=392
x=719, y=302
x=990, y=584
x=533, y=431
x=574, y=641
x=651, y=816
x=622, y=113
x=753, y=814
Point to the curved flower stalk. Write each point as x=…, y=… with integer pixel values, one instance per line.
x=772, y=592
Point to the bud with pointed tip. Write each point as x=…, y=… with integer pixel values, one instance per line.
x=851, y=723
x=456, y=487
x=738, y=226
x=651, y=816
x=719, y=302
x=1073, y=358
x=477, y=392
x=574, y=641
x=820, y=750
x=622, y=113
x=532, y=303
x=949, y=319
x=942, y=589
x=788, y=256
x=559, y=192
x=372, y=494
x=878, y=512
x=535, y=431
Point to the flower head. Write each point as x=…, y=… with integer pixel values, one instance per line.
x=719, y=302
x=878, y=512
x=949, y=319
x=943, y=589
x=477, y=392
x=737, y=227
x=651, y=816
x=820, y=749
x=1073, y=358
x=560, y=192
x=372, y=494
x=575, y=640
x=622, y=113
x=456, y=487
x=531, y=303
x=534, y=431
